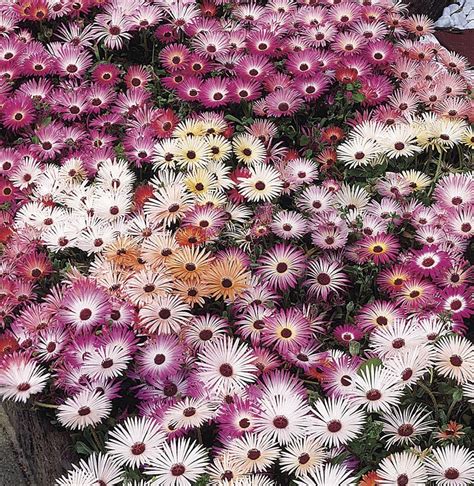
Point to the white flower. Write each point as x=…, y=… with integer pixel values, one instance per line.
x=253, y=452
x=284, y=419
x=21, y=378
x=302, y=456
x=403, y=426
x=179, y=463
x=328, y=475
x=226, y=365
x=358, y=152
x=87, y=408
x=264, y=184
x=401, y=468
x=451, y=466
x=454, y=358
x=136, y=442
x=376, y=389
x=336, y=422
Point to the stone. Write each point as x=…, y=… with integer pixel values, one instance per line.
x=45, y=451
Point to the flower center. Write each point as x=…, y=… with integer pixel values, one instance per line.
x=189, y=412
x=456, y=360
x=334, y=426
x=244, y=423
x=83, y=411
x=226, y=370
x=323, y=279
x=253, y=454
x=405, y=430
x=138, y=448
x=280, y=422
x=85, y=314
x=451, y=473
x=178, y=470
x=282, y=267
x=286, y=333
x=373, y=395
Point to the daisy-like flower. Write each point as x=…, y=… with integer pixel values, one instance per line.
x=17, y=113
x=400, y=336
x=325, y=277
x=336, y=421
x=404, y=426
x=179, y=463
x=136, y=442
x=282, y=266
x=21, y=378
x=358, y=152
x=226, y=365
x=399, y=141
x=302, y=457
x=254, y=452
x=451, y=466
x=415, y=293
x=191, y=412
x=376, y=390
x=328, y=475
x=411, y=364
x=160, y=357
x=248, y=149
x=85, y=305
x=103, y=469
x=454, y=358
x=401, y=468
x=85, y=409
x=286, y=330
x=189, y=263
x=193, y=152
x=380, y=248
x=226, y=278
x=283, y=102
x=165, y=315
x=429, y=261
x=289, y=224
x=263, y=184
x=77, y=477
x=107, y=361
x=282, y=418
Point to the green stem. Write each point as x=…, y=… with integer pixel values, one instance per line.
x=451, y=408
x=96, y=440
x=45, y=405
x=438, y=166
x=433, y=398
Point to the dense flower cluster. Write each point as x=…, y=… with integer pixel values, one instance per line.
x=235, y=240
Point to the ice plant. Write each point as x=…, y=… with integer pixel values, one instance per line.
x=236, y=240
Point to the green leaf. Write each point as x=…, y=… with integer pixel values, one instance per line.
x=358, y=97
x=354, y=348
x=233, y=119
x=304, y=140
x=375, y=362
x=457, y=395
x=83, y=449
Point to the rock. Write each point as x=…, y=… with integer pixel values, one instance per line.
x=13, y=466
x=47, y=450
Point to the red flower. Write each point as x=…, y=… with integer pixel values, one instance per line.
x=346, y=75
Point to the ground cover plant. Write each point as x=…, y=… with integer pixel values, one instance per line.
x=236, y=240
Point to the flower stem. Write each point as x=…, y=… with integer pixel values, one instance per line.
x=96, y=440
x=433, y=398
x=45, y=405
